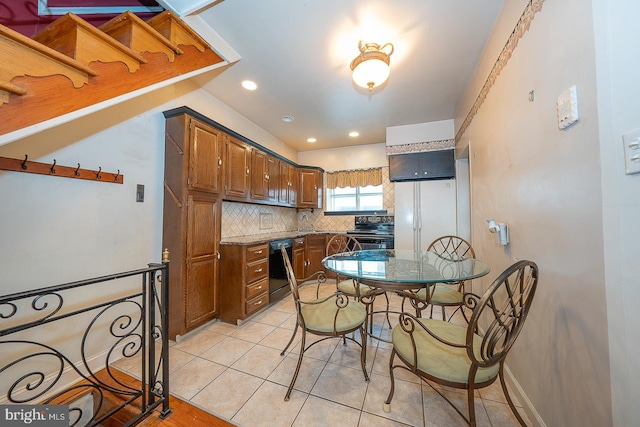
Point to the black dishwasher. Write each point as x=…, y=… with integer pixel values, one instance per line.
x=278, y=281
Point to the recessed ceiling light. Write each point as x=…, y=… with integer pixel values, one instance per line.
x=311, y=140
x=249, y=85
x=353, y=134
x=287, y=119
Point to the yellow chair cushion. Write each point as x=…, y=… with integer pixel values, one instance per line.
x=348, y=287
x=438, y=359
x=320, y=317
x=442, y=295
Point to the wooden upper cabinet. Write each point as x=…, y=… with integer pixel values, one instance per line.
x=273, y=179
x=288, y=184
x=205, y=157
x=310, y=192
x=237, y=169
x=259, y=175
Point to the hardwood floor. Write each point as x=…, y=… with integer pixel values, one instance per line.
x=184, y=415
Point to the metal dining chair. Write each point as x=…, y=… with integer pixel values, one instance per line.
x=333, y=316
x=467, y=357
x=348, y=285
x=450, y=294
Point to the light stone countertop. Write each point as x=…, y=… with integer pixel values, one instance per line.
x=268, y=237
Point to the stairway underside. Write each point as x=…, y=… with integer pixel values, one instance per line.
x=72, y=65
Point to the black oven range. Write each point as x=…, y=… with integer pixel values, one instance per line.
x=373, y=231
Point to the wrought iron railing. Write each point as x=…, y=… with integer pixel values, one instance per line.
x=58, y=345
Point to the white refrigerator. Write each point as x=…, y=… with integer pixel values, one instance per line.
x=424, y=211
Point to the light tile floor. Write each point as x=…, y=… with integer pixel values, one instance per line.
x=237, y=373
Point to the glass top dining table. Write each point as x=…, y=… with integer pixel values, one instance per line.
x=395, y=269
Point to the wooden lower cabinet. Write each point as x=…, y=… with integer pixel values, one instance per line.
x=190, y=233
x=315, y=252
x=244, y=281
x=298, y=257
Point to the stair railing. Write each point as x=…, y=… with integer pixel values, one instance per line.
x=61, y=343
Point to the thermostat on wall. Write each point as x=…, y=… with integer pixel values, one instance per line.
x=567, y=108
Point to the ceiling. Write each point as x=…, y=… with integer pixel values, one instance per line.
x=298, y=52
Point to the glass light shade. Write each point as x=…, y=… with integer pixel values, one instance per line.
x=371, y=73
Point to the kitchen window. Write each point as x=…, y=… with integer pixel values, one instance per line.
x=367, y=198
x=352, y=192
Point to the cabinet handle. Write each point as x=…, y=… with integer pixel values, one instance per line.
x=416, y=173
x=218, y=254
x=259, y=270
x=247, y=171
x=257, y=302
x=259, y=252
x=426, y=173
x=266, y=176
x=259, y=287
x=219, y=161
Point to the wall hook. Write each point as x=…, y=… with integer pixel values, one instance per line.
x=117, y=175
x=98, y=173
x=77, y=171
x=53, y=167
x=24, y=163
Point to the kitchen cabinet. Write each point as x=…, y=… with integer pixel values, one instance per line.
x=437, y=164
x=258, y=175
x=238, y=156
x=244, y=278
x=273, y=179
x=191, y=220
x=315, y=252
x=288, y=184
x=298, y=257
x=310, y=191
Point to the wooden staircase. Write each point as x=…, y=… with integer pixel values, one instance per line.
x=71, y=65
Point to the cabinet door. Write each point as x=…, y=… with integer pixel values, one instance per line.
x=258, y=175
x=315, y=253
x=298, y=261
x=237, y=169
x=308, y=189
x=404, y=167
x=273, y=179
x=283, y=192
x=293, y=187
x=205, y=157
x=200, y=296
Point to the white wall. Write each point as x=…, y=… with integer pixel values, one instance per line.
x=617, y=38
x=420, y=132
x=545, y=184
x=345, y=158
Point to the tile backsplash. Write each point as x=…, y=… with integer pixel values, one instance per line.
x=244, y=219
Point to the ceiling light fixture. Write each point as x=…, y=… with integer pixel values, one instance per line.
x=354, y=134
x=371, y=67
x=287, y=119
x=311, y=140
x=249, y=85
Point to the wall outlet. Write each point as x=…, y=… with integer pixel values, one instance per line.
x=140, y=193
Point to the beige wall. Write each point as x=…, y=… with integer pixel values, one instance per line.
x=545, y=184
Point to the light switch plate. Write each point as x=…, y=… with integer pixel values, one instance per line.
x=567, y=106
x=631, y=143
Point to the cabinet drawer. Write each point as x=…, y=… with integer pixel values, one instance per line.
x=298, y=242
x=257, y=303
x=257, y=270
x=257, y=288
x=257, y=252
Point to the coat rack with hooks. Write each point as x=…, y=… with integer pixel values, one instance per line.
x=53, y=169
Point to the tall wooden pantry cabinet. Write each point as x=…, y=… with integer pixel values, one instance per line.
x=193, y=181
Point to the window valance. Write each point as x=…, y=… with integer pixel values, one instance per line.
x=354, y=178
